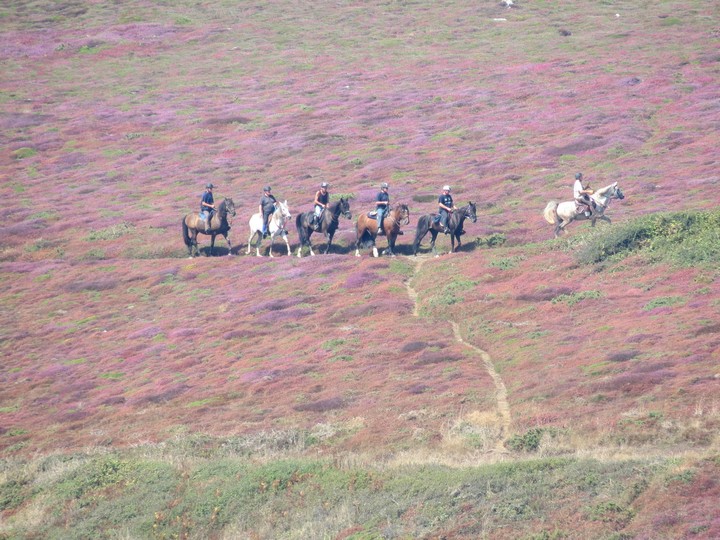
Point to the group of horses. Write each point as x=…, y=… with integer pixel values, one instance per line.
x=366, y=227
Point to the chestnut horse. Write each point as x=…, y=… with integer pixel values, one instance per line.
x=430, y=222
x=329, y=222
x=367, y=227
x=192, y=225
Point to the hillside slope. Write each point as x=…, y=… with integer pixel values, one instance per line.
x=515, y=348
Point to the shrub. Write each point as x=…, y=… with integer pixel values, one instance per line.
x=576, y=298
x=684, y=238
x=528, y=442
x=110, y=233
x=493, y=240
x=24, y=152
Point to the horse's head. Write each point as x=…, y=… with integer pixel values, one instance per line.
x=402, y=213
x=284, y=210
x=229, y=206
x=618, y=192
x=471, y=211
x=345, y=208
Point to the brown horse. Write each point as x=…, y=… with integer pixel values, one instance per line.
x=329, y=223
x=367, y=227
x=192, y=225
x=431, y=223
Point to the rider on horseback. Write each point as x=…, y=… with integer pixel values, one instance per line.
x=207, y=206
x=447, y=207
x=582, y=192
x=322, y=197
x=382, y=203
x=268, y=203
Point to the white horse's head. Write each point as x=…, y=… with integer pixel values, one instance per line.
x=604, y=195
x=285, y=210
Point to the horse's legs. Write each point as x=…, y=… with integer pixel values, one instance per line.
x=212, y=244
x=193, y=244
x=434, y=234
x=603, y=217
x=225, y=235
x=272, y=242
x=327, y=249
x=287, y=243
x=252, y=235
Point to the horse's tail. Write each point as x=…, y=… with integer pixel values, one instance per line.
x=186, y=233
x=423, y=226
x=301, y=229
x=550, y=213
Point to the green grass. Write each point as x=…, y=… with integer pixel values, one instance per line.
x=681, y=238
x=199, y=487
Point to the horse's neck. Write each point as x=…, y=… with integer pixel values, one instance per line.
x=334, y=211
x=603, y=199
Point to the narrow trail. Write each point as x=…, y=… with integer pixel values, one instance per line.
x=500, y=390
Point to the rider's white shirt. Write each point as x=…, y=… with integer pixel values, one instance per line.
x=577, y=188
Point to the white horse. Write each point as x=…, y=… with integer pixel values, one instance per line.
x=566, y=212
x=276, y=225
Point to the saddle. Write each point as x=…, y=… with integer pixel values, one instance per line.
x=584, y=207
x=372, y=214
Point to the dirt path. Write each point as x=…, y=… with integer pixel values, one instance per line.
x=500, y=390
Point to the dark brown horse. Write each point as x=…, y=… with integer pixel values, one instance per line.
x=430, y=222
x=192, y=225
x=329, y=222
x=367, y=227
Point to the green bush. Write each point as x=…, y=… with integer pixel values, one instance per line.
x=576, y=298
x=528, y=442
x=685, y=238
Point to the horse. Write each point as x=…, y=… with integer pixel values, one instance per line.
x=276, y=225
x=430, y=222
x=564, y=213
x=192, y=225
x=329, y=222
x=366, y=229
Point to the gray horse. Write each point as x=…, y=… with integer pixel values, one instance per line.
x=561, y=215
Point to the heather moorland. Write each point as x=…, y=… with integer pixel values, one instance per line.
x=523, y=387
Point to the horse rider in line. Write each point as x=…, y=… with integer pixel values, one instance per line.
x=267, y=206
x=447, y=207
x=207, y=206
x=322, y=197
x=581, y=193
x=382, y=203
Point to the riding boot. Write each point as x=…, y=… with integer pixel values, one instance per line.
x=380, y=232
x=207, y=225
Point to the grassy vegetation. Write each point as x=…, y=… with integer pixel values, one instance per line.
x=201, y=487
x=687, y=238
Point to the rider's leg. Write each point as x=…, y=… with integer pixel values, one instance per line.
x=380, y=217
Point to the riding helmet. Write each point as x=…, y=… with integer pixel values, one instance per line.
x=267, y=188
x=209, y=186
x=384, y=185
x=578, y=176
x=446, y=188
x=324, y=184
